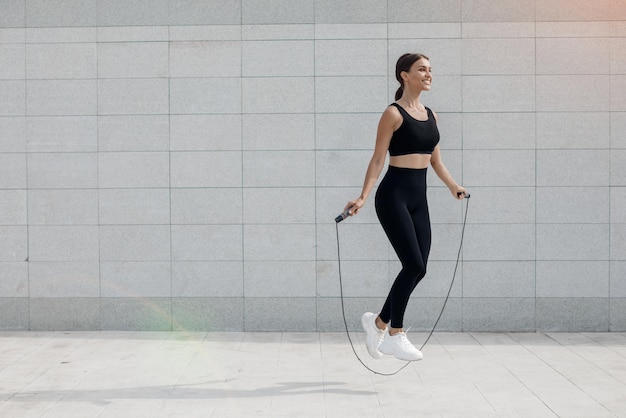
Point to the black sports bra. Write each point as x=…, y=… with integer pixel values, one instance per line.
x=414, y=136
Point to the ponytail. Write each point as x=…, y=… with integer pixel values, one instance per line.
x=399, y=92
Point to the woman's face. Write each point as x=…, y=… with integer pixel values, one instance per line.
x=419, y=75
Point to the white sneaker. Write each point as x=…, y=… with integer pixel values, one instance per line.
x=400, y=347
x=375, y=335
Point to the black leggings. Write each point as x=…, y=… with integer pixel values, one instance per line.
x=402, y=209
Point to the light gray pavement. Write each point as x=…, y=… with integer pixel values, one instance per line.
x=144, y=374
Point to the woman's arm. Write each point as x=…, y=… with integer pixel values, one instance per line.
x=435, y=161
x=389, y=121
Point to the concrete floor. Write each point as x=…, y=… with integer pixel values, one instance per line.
x=143, y=374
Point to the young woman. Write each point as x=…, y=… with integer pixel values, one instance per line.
x=408, y=130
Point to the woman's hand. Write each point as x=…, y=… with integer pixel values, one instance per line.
x=458, y=192
x=354, y=206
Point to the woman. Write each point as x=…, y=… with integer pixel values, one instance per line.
x=408, y=130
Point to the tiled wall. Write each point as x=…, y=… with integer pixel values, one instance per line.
x=177, y=164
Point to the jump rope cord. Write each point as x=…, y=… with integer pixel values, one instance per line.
x=343, y=310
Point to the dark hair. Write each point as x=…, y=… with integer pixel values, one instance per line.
x=404, y=64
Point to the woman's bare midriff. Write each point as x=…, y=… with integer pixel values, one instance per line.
x=410, y=161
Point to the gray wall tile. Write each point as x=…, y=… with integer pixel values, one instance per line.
x=273, y=314
x=62, y=133
x=135, y=243
x=618, y=168
x=13, y=13
x=209, y=95
x=12, y=134
x=572, y=278
x=569, y=130
x=278, y=58
x=278, y=168
x=618, y=203
x=129, y=314
x=499, y=279
x=135, y=279
x=352, y=11
x=134, y=206
x=204, y=12
x=61, y=97
x=367, y=57
x=569, y=314
x=506, y=242
x=482, y=314
x=617, y=319
x=14, y=243
x=63, y=243
x=563, y=242
x=499, y=56
x=207, y=314
x=279, y=242
x=63, y=207
x=207, y=279
x=503, y=93
x=133, y=96
x=41, y=13
x=61, y=61
x=133, y=59
x=336, y=94
x=279, y=279
x=499, y=168
x=14, y=314
x=64, y=279
x=134, y=133
x=555, y=205
x=13, y=57
x=207, y=132
x=499, y=131
x=13, y=280
x=278, y=205
x=13, y=172
x=133, y=169
x=12, y=35
x=501, y=205
x=13, y=207
x=62, y=170
x=64, y=314
x=296, y=93
x=618, y=241
x=279, y=132
x=205, y=59
x=502, y=11
x=559, y=167
x=577, y=11
x=206, y=242
x=618, y=129
x=277, y=11
x=206, y=206
x=12, y=98
x=555, y=93
x=206, y=169
x=429, y=11
x=133, y=13
x=567, y=61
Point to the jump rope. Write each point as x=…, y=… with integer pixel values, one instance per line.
x=343, y=216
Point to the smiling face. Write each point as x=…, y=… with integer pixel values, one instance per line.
x=419, y=76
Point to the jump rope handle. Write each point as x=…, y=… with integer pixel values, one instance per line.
x=343, y=215
x=465, y=195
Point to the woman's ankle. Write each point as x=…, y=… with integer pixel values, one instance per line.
x=394, y=331
x=380, y=324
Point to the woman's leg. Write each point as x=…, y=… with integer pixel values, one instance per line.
x=408, y=228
